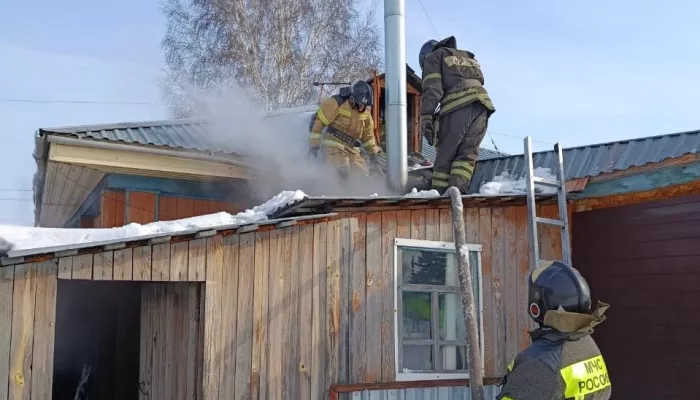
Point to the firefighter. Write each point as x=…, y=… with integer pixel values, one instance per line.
x=349, y=126
x=563, y=361
x=453, y=80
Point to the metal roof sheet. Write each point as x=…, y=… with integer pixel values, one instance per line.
x=17, y=256
x=593, y=160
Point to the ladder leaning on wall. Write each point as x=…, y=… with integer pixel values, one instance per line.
x=560, y=184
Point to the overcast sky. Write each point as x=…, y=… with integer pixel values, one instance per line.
x=577, y=72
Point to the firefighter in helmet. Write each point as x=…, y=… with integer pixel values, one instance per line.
x=349, y=126
x=453, y=80
x=563, y=361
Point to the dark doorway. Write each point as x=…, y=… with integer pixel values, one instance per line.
x=98, y=325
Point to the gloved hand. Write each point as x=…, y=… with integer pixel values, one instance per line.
x=426, y=128
x=313, y=152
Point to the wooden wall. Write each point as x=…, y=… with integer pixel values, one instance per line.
x=118, y=208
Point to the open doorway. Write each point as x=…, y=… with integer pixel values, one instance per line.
x=97, y=327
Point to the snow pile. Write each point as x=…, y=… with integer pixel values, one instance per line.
x=423, y=193
x=24, y=238
x=507, y=184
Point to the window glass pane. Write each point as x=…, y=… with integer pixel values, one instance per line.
x=451, y=317
x=416, y=315
x=453, y=358
x=428, y=267
x=417, y=358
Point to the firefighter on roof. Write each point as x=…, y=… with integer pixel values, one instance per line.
x=349, y=126
x=453, y=80
x=563, y=361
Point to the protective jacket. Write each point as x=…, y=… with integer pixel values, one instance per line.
x=347, y=128
x=453, y=79
x=562, y=363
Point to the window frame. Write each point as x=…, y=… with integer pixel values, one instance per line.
x=398, y=341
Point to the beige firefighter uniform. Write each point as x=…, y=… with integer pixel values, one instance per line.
x=346, y=130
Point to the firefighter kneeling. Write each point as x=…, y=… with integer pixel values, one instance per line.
x=349, y=126
x=563, y=361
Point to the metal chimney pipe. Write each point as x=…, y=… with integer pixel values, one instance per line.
x=395, y=106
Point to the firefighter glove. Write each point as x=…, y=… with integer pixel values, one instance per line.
x=313, y=152
x=426, y=128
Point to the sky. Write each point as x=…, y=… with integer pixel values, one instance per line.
x=574, y=72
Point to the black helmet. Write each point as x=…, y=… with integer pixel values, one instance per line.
x=362, y=94
x=554, y=284
x=425, y=50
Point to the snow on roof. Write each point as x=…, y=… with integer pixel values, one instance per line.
x=22, y=240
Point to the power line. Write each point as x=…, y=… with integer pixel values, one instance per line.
x=15, y=190
x=428, y=17
x=75, y=101
x=518, y=137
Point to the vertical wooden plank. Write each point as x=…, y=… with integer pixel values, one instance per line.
x=123, y=265
x=276, y=317
x=432, y=224
x=175, y=340
x=146, y=342
x=179, y=255
x=196, y=269
x=244, y=316
x=373, y=283
x=290, y=356
x=387, y=289
x=22, y=339
x=549, y=237
x=199, y=365
x=142, y=207
x=82, y=267
x=184, y=208
x=142, y=263
x=510, y=292
x=446, y=229
x=227, y=301
x=333, y=329
x=485, y=238
x=6, y=289
x=194, y=383
x=212, y=320
x=160, y=268
x=318, y=319
x=305, y=285
x=522, y=266
x=167, y=208
x=418, y=224
x=345, y=284
x=160, y=382
x=108, y=209
x=65, y=268
x=358, y=311
x=258, y=382
x=471, y=225
x=119, y=208
x=498, y=310
x=103, y=268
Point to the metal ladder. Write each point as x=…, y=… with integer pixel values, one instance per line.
x=563, y=222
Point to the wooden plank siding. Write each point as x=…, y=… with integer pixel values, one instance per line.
x=284, y=313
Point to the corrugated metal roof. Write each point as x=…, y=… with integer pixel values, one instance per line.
x=16, y=256
x=324, y=204
x=593, y=160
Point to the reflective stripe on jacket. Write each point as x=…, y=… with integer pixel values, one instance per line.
x=339, y=115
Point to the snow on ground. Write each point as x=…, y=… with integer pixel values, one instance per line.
x=423, y=193
x=25, y=238
x=507, y=184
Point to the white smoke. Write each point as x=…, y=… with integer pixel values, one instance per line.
x=276, y=146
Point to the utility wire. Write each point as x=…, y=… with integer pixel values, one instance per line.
x=75, y=101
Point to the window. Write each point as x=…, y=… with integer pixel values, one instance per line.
x=429, y=322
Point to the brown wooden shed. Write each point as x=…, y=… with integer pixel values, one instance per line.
x=300, y=307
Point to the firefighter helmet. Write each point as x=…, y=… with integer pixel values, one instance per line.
x=362, y=94
x=553, y=285
x=425, y=50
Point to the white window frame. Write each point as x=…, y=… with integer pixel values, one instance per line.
x=427, y=245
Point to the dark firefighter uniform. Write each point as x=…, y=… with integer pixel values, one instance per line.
x=563, y=361
x=452, y=78
x=349, y=126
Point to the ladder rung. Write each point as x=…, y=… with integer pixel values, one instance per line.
x=546, y=182
x=549, y=221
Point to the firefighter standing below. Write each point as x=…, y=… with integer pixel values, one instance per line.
x=349, y=126
x=563, y=361
x=452, y=78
